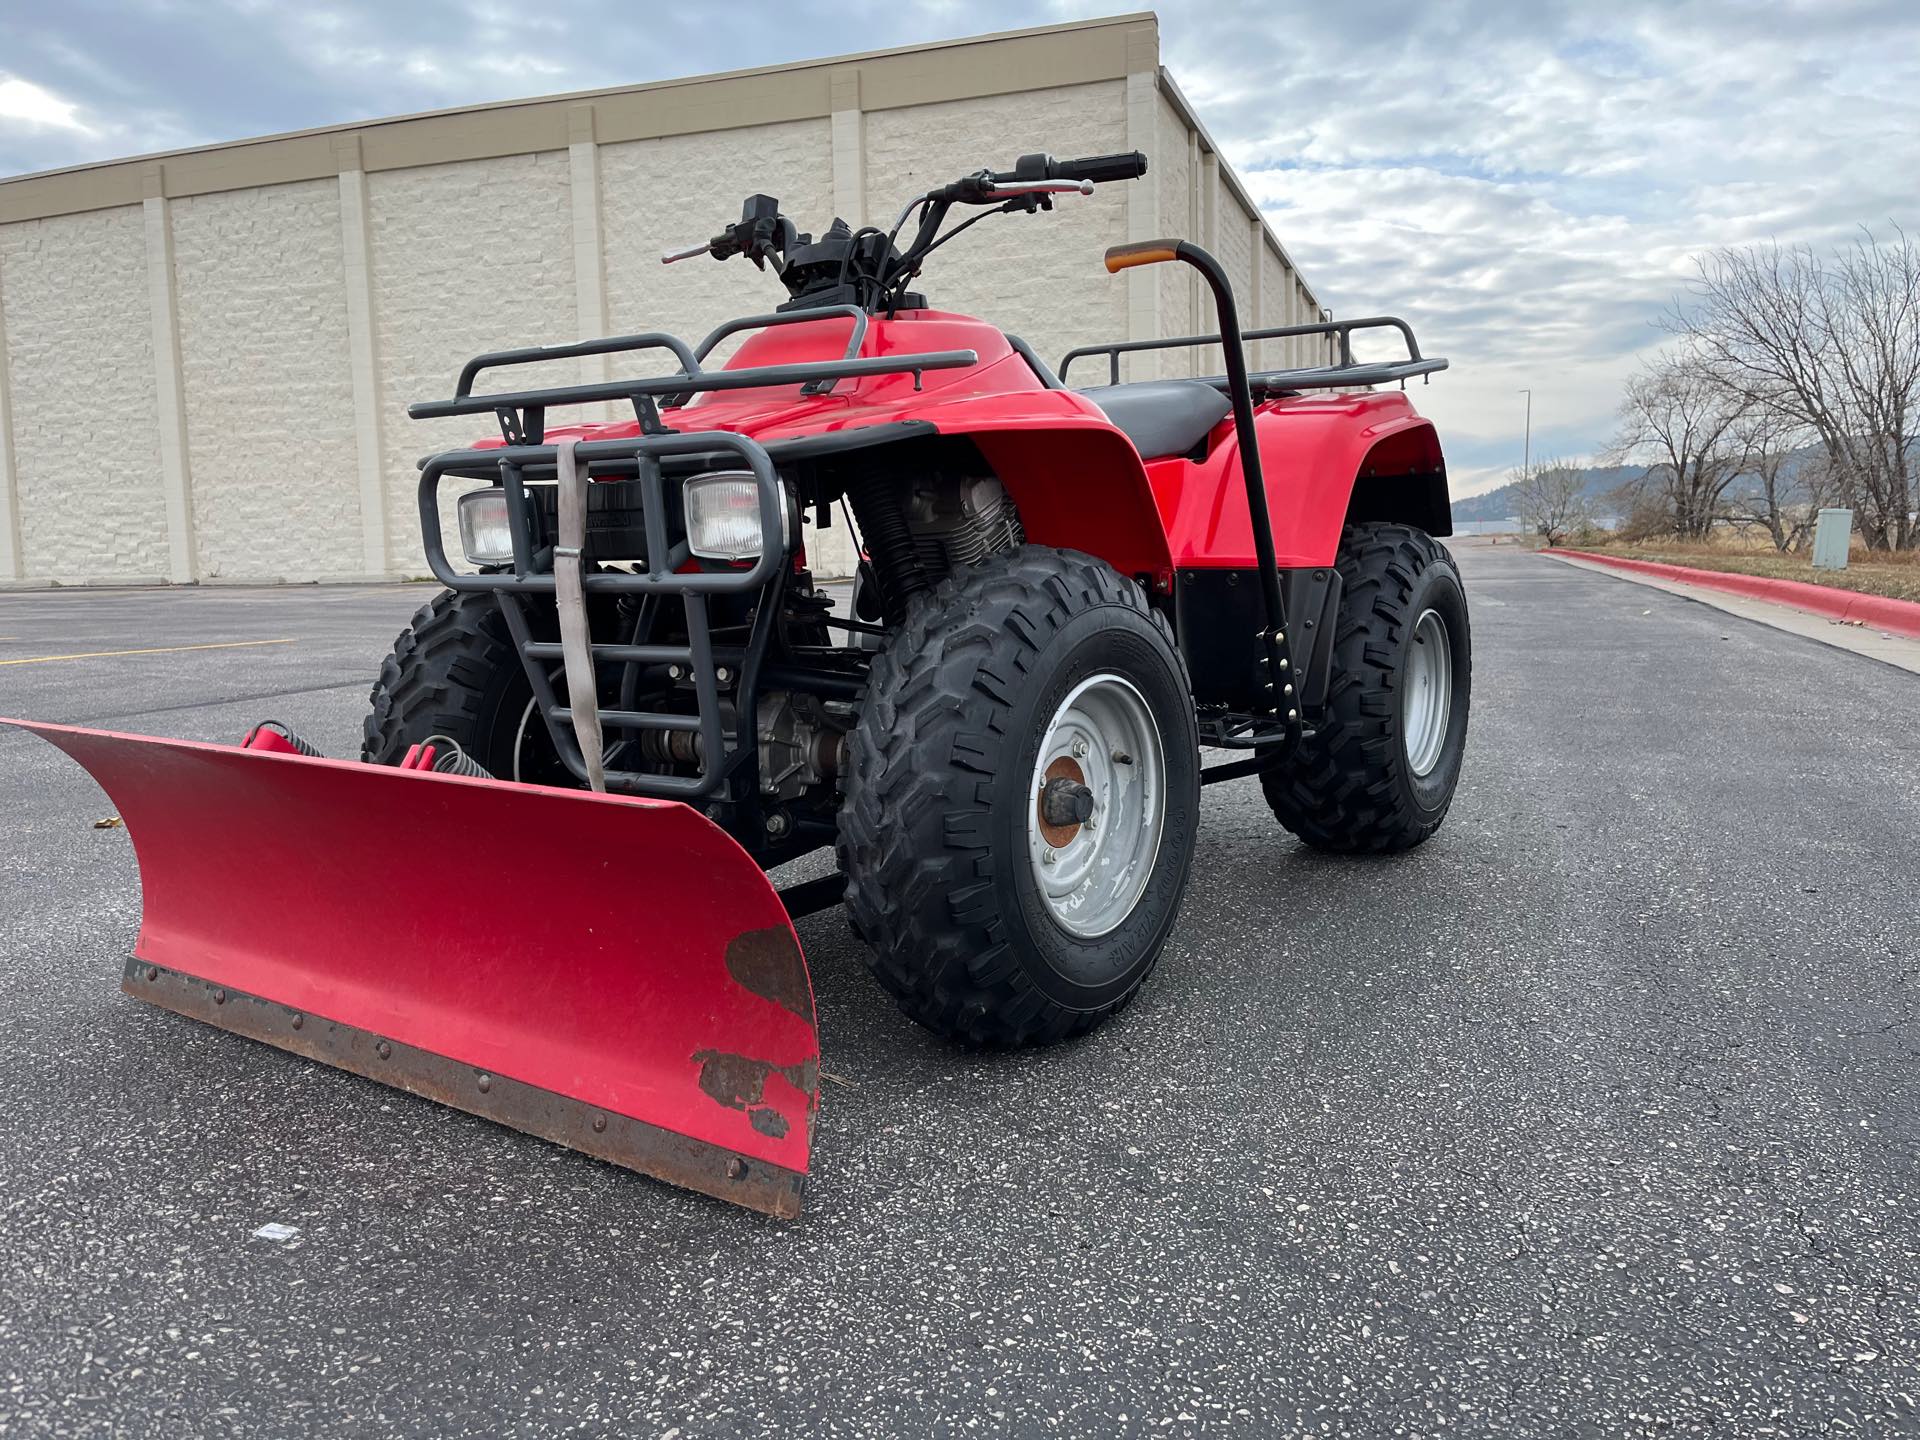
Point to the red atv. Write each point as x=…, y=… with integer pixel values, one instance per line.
x=1064, y=597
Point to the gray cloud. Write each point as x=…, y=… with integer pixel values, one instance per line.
x=1524, y=180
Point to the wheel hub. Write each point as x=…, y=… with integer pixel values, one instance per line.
x=1065, y=803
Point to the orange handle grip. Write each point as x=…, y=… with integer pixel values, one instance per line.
x=1141, y=252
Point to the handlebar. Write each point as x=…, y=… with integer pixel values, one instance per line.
x=1100, y=169
x=1040, y=174
x=862, y=266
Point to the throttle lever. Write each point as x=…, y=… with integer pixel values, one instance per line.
x=668, y=257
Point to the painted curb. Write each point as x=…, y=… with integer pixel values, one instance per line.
x=1898, y=617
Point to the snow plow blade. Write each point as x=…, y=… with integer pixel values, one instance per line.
x=610, y=973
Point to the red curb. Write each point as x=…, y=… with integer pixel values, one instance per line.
x=1900, y=617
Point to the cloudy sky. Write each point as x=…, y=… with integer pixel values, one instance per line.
x=1523, y=179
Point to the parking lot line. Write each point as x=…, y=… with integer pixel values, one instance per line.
x=150, y=650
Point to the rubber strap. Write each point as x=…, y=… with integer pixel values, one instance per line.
x=576, y=648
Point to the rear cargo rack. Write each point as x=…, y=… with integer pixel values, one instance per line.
x=1348, y=372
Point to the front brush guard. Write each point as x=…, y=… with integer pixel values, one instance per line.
x=668, y=573
x=611, y=973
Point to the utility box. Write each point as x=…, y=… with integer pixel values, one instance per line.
x=1832, y=534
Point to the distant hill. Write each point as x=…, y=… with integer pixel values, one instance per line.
x=1503, y=503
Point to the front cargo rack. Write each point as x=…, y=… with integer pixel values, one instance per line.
x=522, y=413
x=1349, y=372
x=724, y=679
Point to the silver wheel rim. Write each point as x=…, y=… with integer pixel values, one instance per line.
x=1427, y=695
x=1092, y=875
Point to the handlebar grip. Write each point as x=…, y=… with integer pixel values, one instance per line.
x=1141, y=252
x=1101, y=168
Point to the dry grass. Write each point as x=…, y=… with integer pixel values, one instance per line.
x=1895, y=575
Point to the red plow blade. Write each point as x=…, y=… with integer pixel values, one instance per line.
x=610, y=973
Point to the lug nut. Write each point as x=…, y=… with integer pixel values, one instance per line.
x=673, y=672
x=1079, y=748
x=1047, y=857
x=723, y=675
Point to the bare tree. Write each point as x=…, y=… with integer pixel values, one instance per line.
x=1781, y=486
x=1679, y=422
x=1644, y=508
x=1833, y=344
x=1551, y=498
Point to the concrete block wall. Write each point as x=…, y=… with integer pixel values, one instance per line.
x=205, y=359
x=261, y=304
x=678, y=190
x=1178, y=207
x=84, y=432
x=466, y=258
x=1039, y=277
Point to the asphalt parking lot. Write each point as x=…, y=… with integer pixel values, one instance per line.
x=1598, y=1115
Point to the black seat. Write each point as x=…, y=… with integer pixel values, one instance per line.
x=1162, y=417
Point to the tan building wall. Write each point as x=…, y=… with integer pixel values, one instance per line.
x=206, y=357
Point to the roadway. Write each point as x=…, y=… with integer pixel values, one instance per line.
x=1597, y=1115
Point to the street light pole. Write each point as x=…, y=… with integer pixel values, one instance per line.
x=1526, y=445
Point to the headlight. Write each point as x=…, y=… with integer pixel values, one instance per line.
x=484, y=533
x=723, y=516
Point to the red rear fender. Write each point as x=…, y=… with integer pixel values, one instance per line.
x=1327, y=460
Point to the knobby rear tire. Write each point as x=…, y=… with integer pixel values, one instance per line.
x=1351, y=787
x=933, y=833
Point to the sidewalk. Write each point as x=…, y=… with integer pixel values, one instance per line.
x=1897, y=617
x=1871, y=625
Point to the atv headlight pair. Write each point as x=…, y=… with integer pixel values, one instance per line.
x=723, y=515
x=723, y=519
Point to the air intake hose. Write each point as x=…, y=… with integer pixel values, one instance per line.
x=876, y=502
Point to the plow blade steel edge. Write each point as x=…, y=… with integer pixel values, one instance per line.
x=611, y=973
